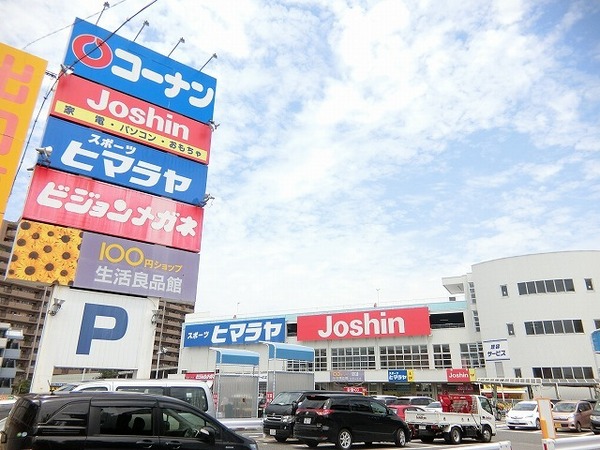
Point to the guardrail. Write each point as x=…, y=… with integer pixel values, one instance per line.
x=576, y=443
x=242, y=424
x=500, y=445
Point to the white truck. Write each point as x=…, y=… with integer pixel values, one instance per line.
x=462, y=416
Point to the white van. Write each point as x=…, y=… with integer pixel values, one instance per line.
x=196, y=393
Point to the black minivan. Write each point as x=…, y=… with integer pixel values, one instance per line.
x=100, y=420
x=345, y=419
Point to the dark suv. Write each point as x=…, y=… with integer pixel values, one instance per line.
x=100, y=420
x=278, y=420
x=345, y=419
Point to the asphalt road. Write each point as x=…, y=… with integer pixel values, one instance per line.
x=520, y=440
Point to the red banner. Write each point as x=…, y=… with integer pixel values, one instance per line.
x=105, y=109
x=73, y=201
x=458, y=376
x=365, y=324
x=202, y=376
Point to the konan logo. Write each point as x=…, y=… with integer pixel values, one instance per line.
x=365, y=324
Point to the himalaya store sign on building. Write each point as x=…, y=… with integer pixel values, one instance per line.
x=236, y=332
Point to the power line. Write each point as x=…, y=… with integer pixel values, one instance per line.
x=68, y=26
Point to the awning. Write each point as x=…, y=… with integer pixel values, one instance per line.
x=240, y=357
x=278, y=350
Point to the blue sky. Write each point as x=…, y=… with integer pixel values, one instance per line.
x=369, y=148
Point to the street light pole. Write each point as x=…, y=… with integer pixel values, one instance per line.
x=162, y=321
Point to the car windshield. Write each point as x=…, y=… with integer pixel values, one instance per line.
x=315, y=402
x=597, y=407
x=565, y=407
x=286, y=398
x=525, y=407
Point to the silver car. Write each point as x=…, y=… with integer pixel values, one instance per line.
x=524, y=414
x=572, y=414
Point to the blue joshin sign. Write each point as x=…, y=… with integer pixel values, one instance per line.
x=105, y=157
x=129, y=67
x=239, y=332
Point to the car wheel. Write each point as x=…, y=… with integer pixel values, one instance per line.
x=311, y=443
x=577, y=427
x=455, y=436
x=344, y=440
x=510, y=427
x=538, y=425
x=280, y=438
x=400, y=437
x=486, y=434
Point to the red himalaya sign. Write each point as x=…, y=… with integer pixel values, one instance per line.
x=73, y=201
x=365, y=324
x=105, y=109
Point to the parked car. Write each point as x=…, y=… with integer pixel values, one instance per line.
x=387, y=399
x=195, y=392
x=100, y=420
x=346, y=419
x=433, y=406
x=524, y=414
x=279, y=414
x=419, y=400
x=595, y=419
x=572, y=414
x=401, y=409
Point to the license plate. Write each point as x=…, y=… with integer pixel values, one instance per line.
x=307, y=420
x=272, y=432
x=422, y=427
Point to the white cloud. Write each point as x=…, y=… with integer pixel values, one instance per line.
x=372, y=145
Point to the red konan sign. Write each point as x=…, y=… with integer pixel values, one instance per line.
x=73, y=201
x=365, y=324
x=105, y=109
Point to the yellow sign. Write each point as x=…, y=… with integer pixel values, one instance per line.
x=21, y=77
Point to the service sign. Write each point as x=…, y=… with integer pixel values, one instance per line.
x=365, y=324
x=113, y=264
x=21, y=76
x=237, y=332
x=99, y=155
x=91, y=104
x=103, y=57
x=73, y=201
x=496, y=350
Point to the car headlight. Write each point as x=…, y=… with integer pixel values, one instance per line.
x=253, y=446
x=287, y=419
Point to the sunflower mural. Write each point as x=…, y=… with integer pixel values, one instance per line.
x=45, y=253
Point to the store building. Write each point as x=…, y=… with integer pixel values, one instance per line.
x=522, y=323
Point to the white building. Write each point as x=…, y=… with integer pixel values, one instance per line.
x=523, y=323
